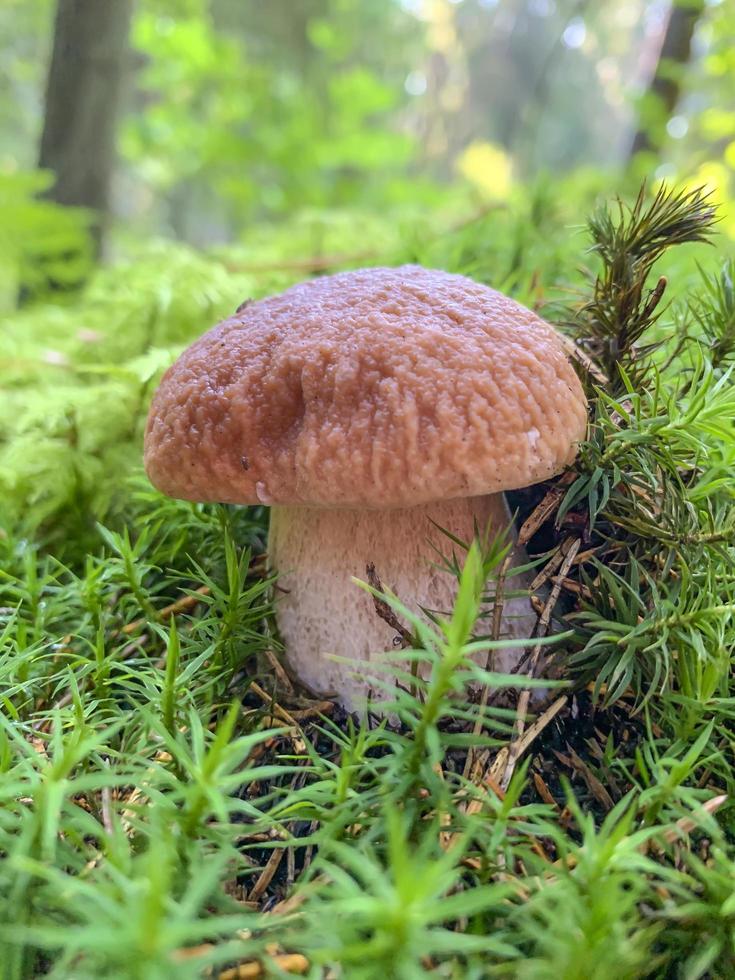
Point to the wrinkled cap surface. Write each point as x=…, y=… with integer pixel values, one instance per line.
x=372, y=388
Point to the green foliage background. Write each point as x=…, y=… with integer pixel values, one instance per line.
x=143, y=786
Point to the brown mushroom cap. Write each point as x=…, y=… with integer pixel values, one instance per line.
x=373, y=388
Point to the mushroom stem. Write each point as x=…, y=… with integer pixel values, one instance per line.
x=320, y=611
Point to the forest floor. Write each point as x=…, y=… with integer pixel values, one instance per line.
x=172, y=805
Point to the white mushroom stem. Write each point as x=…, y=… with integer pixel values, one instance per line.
x=321, y=611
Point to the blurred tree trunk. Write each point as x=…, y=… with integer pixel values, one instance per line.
x=665, y=86
x=82, y=98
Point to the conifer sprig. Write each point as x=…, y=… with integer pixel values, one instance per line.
x=629, y=242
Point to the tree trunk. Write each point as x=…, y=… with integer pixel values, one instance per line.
x=665, y=85
x=82, y=99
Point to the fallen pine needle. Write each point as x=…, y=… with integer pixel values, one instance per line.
x=181, y=605
x=569, y=549
x=278, y=712
x=280, y=671
x=313, y=711
x=266, y=875
x=527, y=738
x=252, y=970
x=685, y=825
x=543, y=791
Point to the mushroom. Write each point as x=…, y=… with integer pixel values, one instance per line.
x=361, y=407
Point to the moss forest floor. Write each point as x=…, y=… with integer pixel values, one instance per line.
x=171, y=806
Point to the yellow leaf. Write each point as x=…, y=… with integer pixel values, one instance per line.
x=488, y=168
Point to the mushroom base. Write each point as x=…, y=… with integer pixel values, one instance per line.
x=321, y=612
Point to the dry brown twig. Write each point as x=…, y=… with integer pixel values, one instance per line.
x=548, y=570
x=499, y=765
x=490, y=778
x=685, y=825
x=578, y=355
x=593, y=783
x=276, y=711
x=181, y=605
x=280, y=671
x=543, y=790
x=569, y=548
x=543, y=510
x=286, y=962
x=682, y=827
x=266, y=875
x=294, y=963
x=383, y=610
x=540, y=514
x=314, y=709
x=445, y=838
